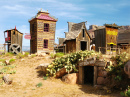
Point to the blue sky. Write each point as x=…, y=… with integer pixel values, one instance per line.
x=97, y=12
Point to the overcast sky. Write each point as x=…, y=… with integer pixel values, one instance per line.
x=97, y=12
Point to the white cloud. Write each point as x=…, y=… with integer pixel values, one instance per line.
x=60, y=34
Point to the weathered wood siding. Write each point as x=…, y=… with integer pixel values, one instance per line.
x=70, y=46
x=38, y=35
x=41, y=35
x=105, y=38
x=100, y=39
x=80, y=38
x=16, y=37
x=33, y=33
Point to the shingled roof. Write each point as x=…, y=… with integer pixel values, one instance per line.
x=43, y=15
x=74, y=30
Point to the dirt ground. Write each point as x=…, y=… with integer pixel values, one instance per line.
x=27, y=77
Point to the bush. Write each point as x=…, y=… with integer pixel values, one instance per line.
x=39, y=84
x=45, y=77
x=19, y=56
x=126, y=92
x=69, y=61
x=33, y=55
x=2, y=60
x=26, y=54
x=9, y=54
x=117, y=77
x=11, y=60
x=52, y=55
x=59, y=54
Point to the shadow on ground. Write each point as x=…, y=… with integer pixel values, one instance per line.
x=89, y=89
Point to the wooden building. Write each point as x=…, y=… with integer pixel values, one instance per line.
x=60, y=47
x=123, y=40
x=106, y=38
x=77, y=37
x=13, y=38
x=42, y=31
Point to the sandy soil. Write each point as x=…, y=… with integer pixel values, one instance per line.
x=27, y=77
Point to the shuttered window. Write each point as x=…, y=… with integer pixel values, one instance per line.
x=46, y=27
x=45, y=43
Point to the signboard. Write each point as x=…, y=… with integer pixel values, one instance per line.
x=87, y=62
x=27, y=36
x=111, y=31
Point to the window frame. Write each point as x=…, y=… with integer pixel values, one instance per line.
x=46, y=27
x=45, y=43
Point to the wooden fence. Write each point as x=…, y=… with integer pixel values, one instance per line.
x=3, y=48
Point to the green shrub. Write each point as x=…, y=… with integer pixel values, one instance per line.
x=11, y=60
x=12, y=72
x=39, y=84
x=2, y=60
x=33, y=55
x=52, y=55
x=59, y=54
x=69, y=61
x=26, y=54
x=9, y=54
x=2, y=64
x=117, y=77
x=126, y=92
x=45, y=77
x=19, y=56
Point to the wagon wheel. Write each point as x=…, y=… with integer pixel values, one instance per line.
x=15, y=48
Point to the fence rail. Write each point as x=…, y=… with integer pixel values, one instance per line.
x=3, y=48
x=109, y=50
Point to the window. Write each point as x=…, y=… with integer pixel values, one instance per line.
x=45, y=43
x=83, y=32
x=46, y=27
x=14, y=33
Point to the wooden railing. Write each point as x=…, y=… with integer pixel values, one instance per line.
x=3, y=48
x=109, y=50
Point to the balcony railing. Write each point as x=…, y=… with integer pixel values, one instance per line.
x=7, y=39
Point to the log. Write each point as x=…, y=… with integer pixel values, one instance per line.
x=61, y=72
x=7, y=79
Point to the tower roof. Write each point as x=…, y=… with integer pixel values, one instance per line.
x=44, y=15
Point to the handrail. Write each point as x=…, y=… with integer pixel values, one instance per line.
x=109, y=49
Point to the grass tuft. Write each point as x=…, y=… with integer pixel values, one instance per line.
x=39, y=84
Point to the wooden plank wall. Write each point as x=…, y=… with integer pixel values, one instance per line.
x=33, y=41
x=70, y=46
x=100, y=39
x=41, y=35
x=81, y=38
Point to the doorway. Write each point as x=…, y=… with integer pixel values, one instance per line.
x=88, y=75
x=83, y=45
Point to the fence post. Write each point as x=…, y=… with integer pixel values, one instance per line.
x=99, y=50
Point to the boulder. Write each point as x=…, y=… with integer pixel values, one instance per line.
x=23, y=53
x=70, y=78
x=7, y=79
x=43, y=67
x=7, y=62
